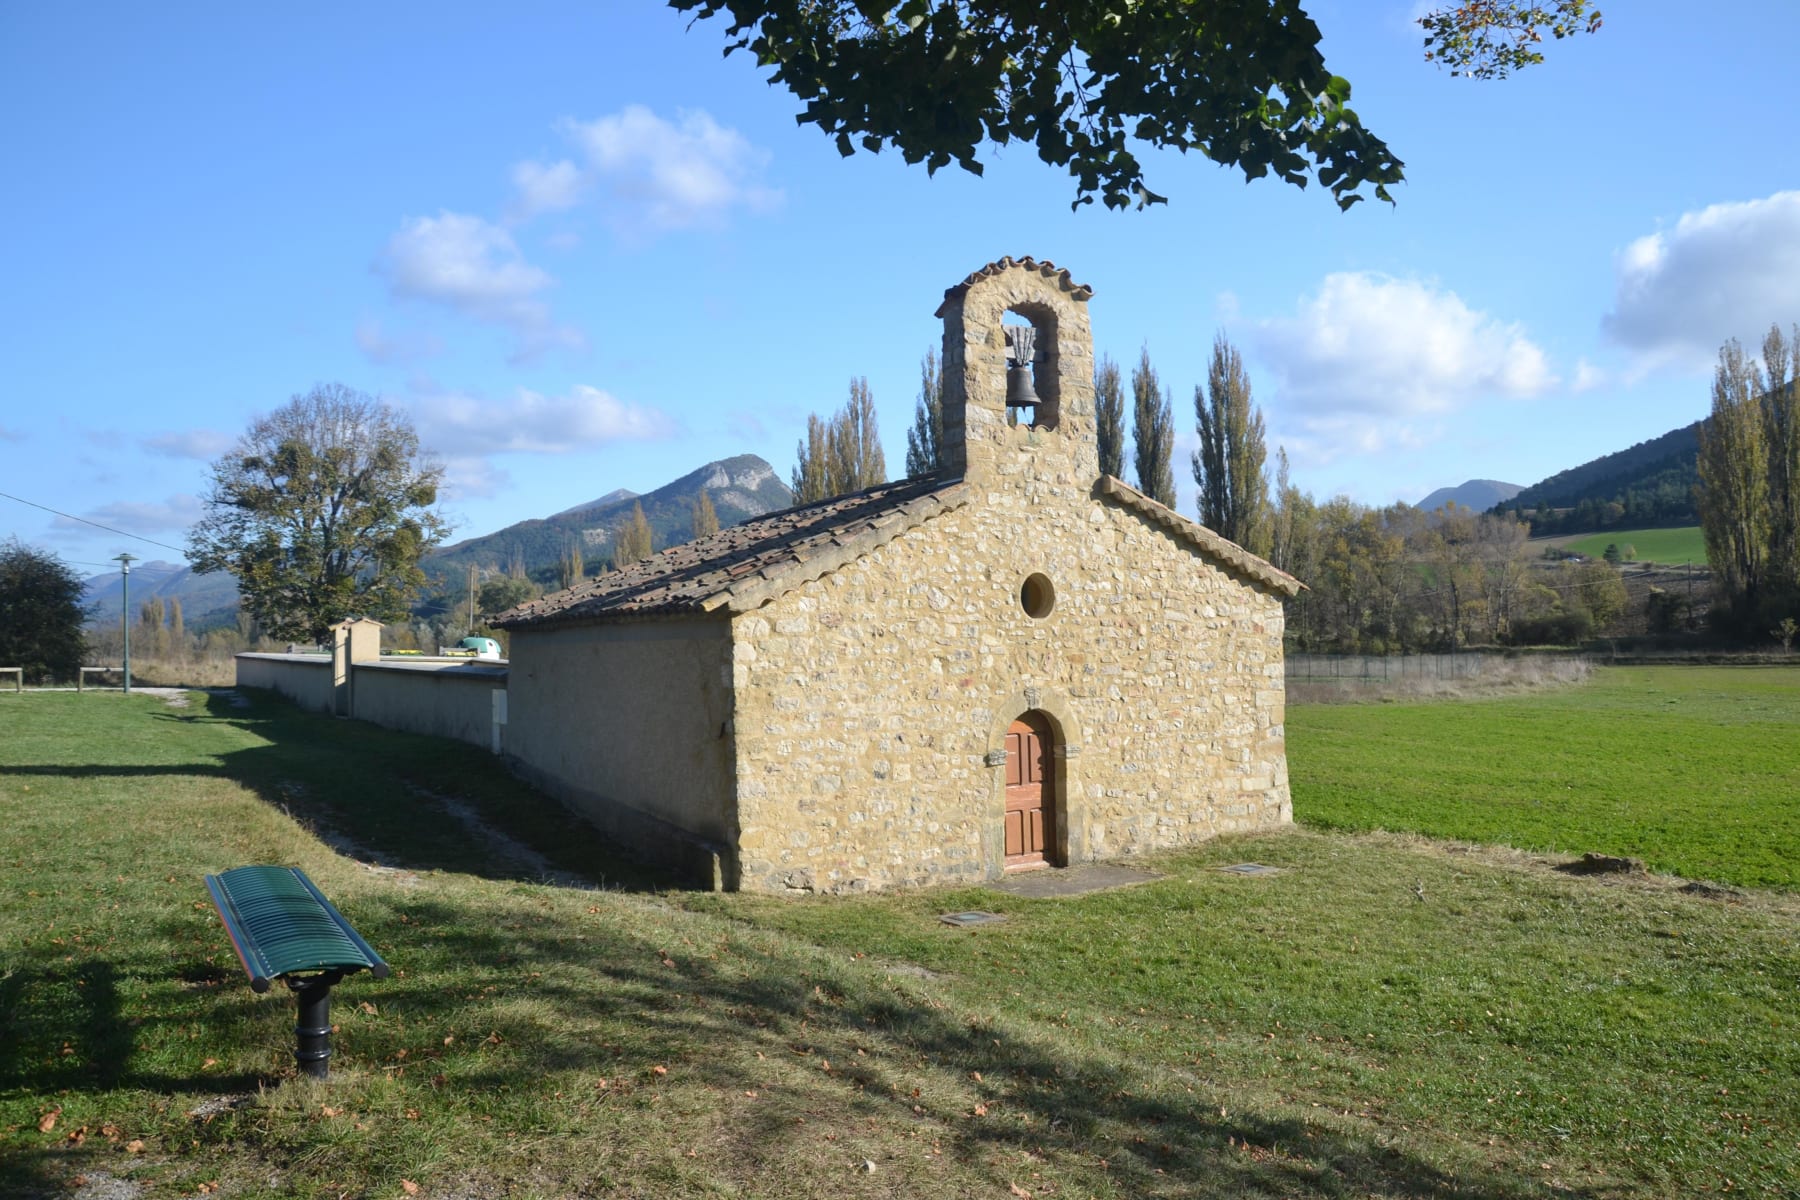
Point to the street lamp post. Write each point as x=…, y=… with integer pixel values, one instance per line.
x=125, y=561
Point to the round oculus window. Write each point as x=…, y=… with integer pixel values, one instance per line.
x=1037, y=597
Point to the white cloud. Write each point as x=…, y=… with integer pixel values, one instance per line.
x=658, y=175
x=460, y=426
x=380, y=348
x=546, y=187
x=1730, y=270
x=474, y=267
x=174, y=514
x=1367, y=356
x=1588, y=377
x=472, y=477
x=202, y=444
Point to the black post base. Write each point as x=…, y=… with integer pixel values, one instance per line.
x=312, y=1031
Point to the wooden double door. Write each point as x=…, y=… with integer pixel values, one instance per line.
x=1030, y=793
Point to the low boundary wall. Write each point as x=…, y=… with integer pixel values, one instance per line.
x=454, y=699
x=303, y=678
x=444, y=697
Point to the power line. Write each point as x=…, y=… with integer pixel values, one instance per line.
x=97, y=525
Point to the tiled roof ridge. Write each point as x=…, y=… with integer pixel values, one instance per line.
x=1046, y=268
x=746, y=565
x=1198, y=535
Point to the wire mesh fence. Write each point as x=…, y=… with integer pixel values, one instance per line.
x=1388, y=668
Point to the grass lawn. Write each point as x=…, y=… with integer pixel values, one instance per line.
x=1387, y=1017
x=1696, y=770
x=1667, y=546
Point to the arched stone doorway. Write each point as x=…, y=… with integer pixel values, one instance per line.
x=1031, y=833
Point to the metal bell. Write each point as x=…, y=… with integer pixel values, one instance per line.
x=1020, y=352
x=1019, y=392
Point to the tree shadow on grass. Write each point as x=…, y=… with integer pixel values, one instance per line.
x=782, y=1056
x=398, y=800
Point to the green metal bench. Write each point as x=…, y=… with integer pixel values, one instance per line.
x=283, y=928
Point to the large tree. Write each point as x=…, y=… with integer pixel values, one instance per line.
x=925, y=440
x=40, y=613
x=1233, y=490
x=840, y=454
x=1749, y=474
x=1152, y=432
x=322, y=511
x=1088, y=82
x=1109, y=417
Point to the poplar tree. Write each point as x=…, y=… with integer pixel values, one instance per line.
x=632, y=541
x=571, y=570
x=1734, y=481
x=925, y=440
x=1781, y=421
x=1232, y=491
x=706, y=518
x=1152, y=433
x=1109, y=417
x=842, y=454
x=812, y=463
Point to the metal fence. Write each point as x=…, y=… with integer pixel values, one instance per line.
x=1379, y=668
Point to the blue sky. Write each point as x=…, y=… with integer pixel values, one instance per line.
x=584, y=251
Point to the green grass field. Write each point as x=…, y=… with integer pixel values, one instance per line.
x=1387, y=1017
x=1696, y=770
x=1668, y=546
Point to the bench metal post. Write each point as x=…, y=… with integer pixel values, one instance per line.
x=312, y=1031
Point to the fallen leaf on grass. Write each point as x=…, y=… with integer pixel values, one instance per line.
x=409, y=1187
x=1018, y=1191
x=135, y=1146
x=659, y=1070
x=368, y=1008
x=209, y=1063
x=981, y=1110
x=47, y=1122
x=325, y=1110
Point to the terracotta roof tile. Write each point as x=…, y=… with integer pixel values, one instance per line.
x=748, y=564
x=1080, y=291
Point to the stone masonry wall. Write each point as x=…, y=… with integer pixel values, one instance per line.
x=869, y=703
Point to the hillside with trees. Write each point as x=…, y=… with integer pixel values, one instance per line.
x=1648, y=486
x=736, y=488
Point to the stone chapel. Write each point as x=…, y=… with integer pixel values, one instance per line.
x=1015, y=664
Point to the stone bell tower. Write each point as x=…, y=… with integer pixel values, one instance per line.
x=1057, y=436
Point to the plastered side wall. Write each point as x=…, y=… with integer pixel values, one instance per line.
x=306, y=680
x=453, y=700
x=870, y=701
x=629, y=723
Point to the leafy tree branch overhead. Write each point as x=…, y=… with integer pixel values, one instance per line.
x=1085, y=81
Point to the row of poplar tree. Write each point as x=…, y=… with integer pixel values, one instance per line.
x=1749, y=494
x=842, y=453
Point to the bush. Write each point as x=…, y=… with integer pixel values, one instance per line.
x=40, y=614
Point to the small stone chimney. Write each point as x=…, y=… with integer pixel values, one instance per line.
x=979, y=445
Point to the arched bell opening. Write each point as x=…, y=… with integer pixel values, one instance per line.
x=1033, y=389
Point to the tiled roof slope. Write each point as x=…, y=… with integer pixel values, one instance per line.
x=1048, y=269
x=1198, y=535
x=737, y=569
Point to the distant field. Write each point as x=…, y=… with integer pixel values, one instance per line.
x=1691, y=769
x=1672, y=546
